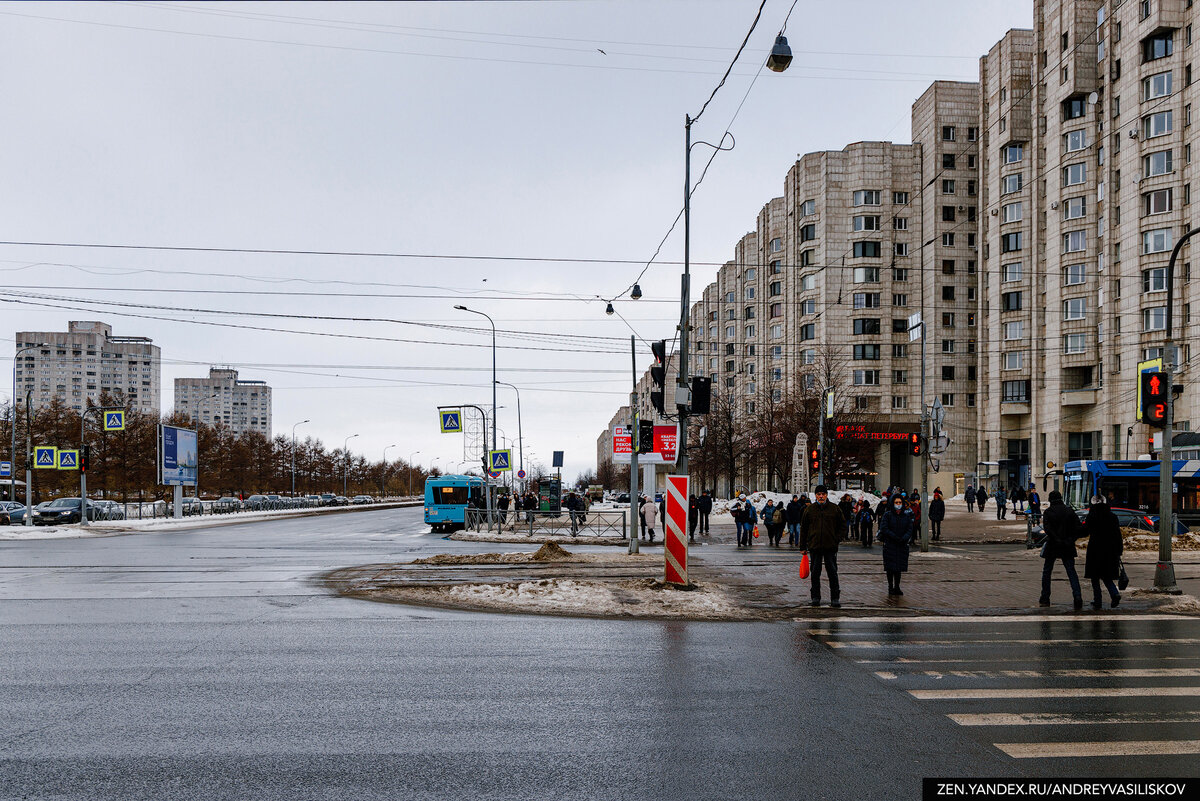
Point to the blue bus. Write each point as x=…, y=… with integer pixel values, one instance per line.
x=447, y=499
x=1133, y=484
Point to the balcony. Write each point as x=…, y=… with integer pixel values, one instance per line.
x=1079, y=397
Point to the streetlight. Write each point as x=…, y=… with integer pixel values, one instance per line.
x=346, y=463
x=302, y=422
x=493, y=322
x=383, y=478
x=12, y=473
x=410, y=471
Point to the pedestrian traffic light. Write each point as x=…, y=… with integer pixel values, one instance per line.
x=658, y=375
x=914, y=444
x=814, y=459
x=645, y=436
x=85, y=455
x=1154, y=399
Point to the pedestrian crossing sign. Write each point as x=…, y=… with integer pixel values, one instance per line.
x=45, y=457
x=68, y=460
x=452, y=421
x=500, y=461
x=114, y=420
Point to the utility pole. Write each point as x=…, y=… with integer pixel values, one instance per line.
x=635, y=508
x=28, y=460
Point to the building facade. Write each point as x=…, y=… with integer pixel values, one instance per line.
x=86, y=360
x=224, y=398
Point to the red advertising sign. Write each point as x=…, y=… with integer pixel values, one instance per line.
x=865, y=432
x=666, y=446
x=622, y=442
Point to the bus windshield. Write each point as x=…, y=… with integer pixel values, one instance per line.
x=450, y=495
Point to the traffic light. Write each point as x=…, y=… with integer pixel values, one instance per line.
x=658, y=375
x=814, y=459
x=645, y=436
x=85, y=456
x=701, y=394
x=914, y=444
x=1154, y=399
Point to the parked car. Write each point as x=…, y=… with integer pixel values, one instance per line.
x=341, y=500
x=226, y=504
x=11, y=513
x=189, y=506
x=361, y=499
x=1135, y=518
x=623, y=497
x=256, y=503
x=108, y=510
x=5, y=518
x=328, y=499
x=274, y=501
x=62, y=510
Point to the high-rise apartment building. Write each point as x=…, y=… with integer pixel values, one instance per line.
x=224, y=398
x=86, y=360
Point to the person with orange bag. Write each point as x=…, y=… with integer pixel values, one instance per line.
x=821, y=529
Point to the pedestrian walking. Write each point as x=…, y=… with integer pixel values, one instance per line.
x=882, y=506
x=821, y=529
x=572, y=505
x=705, y=509
x=866, y=524
x=751, y=522
x=846, y=505
x=914, y=503
x=502, y=505
x=1062, y=528
x=969, y=497
x=794, y=513
x=981, y=497
x=1018, y=499
x=1001, y=499
x=650, y=516
x=895, y=535
x=693, y=516
x=1035, y=502
x=937, y=513
x=1102, y=563
x=775, y=519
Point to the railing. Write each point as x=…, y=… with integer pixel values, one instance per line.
x=538, y=523
x=150, y=510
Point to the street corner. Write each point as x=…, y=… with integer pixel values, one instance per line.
x=549, y=581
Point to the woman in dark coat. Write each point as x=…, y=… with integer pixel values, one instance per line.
x=895, y=533
x=1105, y=545
x=937, y=513
x=981, y=497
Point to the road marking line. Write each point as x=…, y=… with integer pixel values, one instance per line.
x=1051, y=692
x=1111, y=749
x=885, y=674
x=965, y=643
x=1080, y=673
x=904, y=660
x=1014, y=618
x=1053, y=719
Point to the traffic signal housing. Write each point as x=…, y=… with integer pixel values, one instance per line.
x=645, y=443
x=658, y=375
x=701, y=394
x=814, y=459
x=85, y=456
x=914, y=444
x=1154, y=399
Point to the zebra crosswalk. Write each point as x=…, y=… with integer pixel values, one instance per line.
x=1055, y=687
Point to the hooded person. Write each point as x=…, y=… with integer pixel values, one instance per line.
x=1062, y=528
x=1102, y=563
x=821, y=529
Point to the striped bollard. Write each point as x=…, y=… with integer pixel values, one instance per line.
x=675, y=543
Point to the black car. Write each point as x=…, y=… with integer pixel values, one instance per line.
x=61, y=511
x=1135, y=518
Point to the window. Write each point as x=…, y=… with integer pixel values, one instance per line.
x=899, y=273
x=776, y=331
x=1074, y=241
x=808, y=331
x=866, y=275
x=866, y=222
x=900, y=300
x=751, y=274
x=1010, y=272
x=1157, y=202
x=947, y=372
x=776, y=309
x=1014, y=392
x=1154, y=319
x=730, y=297
x=1074, y=208
x=1075, y=309
x=1010, y=243
x=947, y=266
x=866, y=197
x=901, y=249
x=1074, y=108
x=775, y=288
x=1014, y=330
x=749, y=293
x=947, y=133
x=900, y=198
x=730, y=314
x=1074, y=343
x=808, y=282
x=866, y=250
x=1157, y=241
x=947, y=161
x=1014, y=360
x=947, y=346
x=750, y=332
x=1157, y=163
x=947, y=398
x=1154, y=280
x=947, y=319
x=749, y=314
x=1073, y=174
x=808, y=306
x=806, y=258
x=900, y=352
x=1156, y=47
x=947, y=293
x=900, y=223
x=1010, y=301
x=867, y=325
x=808, y=208
x=972, y=134
x=899, y=325
x=1013, y=153
x=1012, y=183
x=971, y=187
x=1075, y=140
x=948, y=240
x=866, y=378
x=1074, y=274
x=947, y=214
x=730, y=332
x=899, y=376
x=866, y=300
x=866, y=352
x=1156, y=86
x=808, y=233
x=776, y=245
x=1011, y=212
x=899, y=402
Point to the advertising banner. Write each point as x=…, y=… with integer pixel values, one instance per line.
x=177, y=456
x=666, y=444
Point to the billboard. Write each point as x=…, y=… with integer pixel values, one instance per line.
x=666, y=443
x=177, y=456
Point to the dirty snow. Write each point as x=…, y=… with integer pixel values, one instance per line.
x=549, y=552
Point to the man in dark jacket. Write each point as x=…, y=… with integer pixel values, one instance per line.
x=981, y=497
x=821, y=529
x=1001, y=500
x=1062, y=528
x=794, y=513
x=937, y=513
x=693, y=516
x=969, y=497
x=1105, y=545
x=704, y=507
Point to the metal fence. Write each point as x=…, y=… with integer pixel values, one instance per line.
x=149, y=510
x=558, y=524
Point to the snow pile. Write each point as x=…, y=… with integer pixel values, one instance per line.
x=51, y=532
x=639, y=598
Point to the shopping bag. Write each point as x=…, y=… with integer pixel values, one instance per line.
x=756, y=530
x=1123, y=579
x=804, y=566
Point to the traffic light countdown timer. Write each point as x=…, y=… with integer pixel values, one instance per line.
x=1154, y=399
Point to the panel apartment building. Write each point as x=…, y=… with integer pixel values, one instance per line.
x=224, y=398
x=86, y=360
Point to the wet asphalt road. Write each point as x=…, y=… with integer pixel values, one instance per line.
x=208, y=664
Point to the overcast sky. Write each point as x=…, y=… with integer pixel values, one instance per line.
x=540, y=134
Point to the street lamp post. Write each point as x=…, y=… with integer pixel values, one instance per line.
x=12, y=475
x=383, y=477
x=490, y=500
x=302, y=422
x=520, y=436
x=346, y=461
x=410, y=472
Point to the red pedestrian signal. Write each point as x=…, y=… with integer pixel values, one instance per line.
x=914, y=444
x=1154, y=399
x=814, y=459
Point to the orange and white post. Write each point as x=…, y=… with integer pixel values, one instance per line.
x=675, y=544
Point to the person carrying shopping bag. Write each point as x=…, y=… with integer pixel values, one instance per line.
x=821, y=529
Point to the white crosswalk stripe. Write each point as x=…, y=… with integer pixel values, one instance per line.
x=1044, y=689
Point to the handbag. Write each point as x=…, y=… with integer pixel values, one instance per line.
x=1123, y=578
x=804, y=566
x=756, y=530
